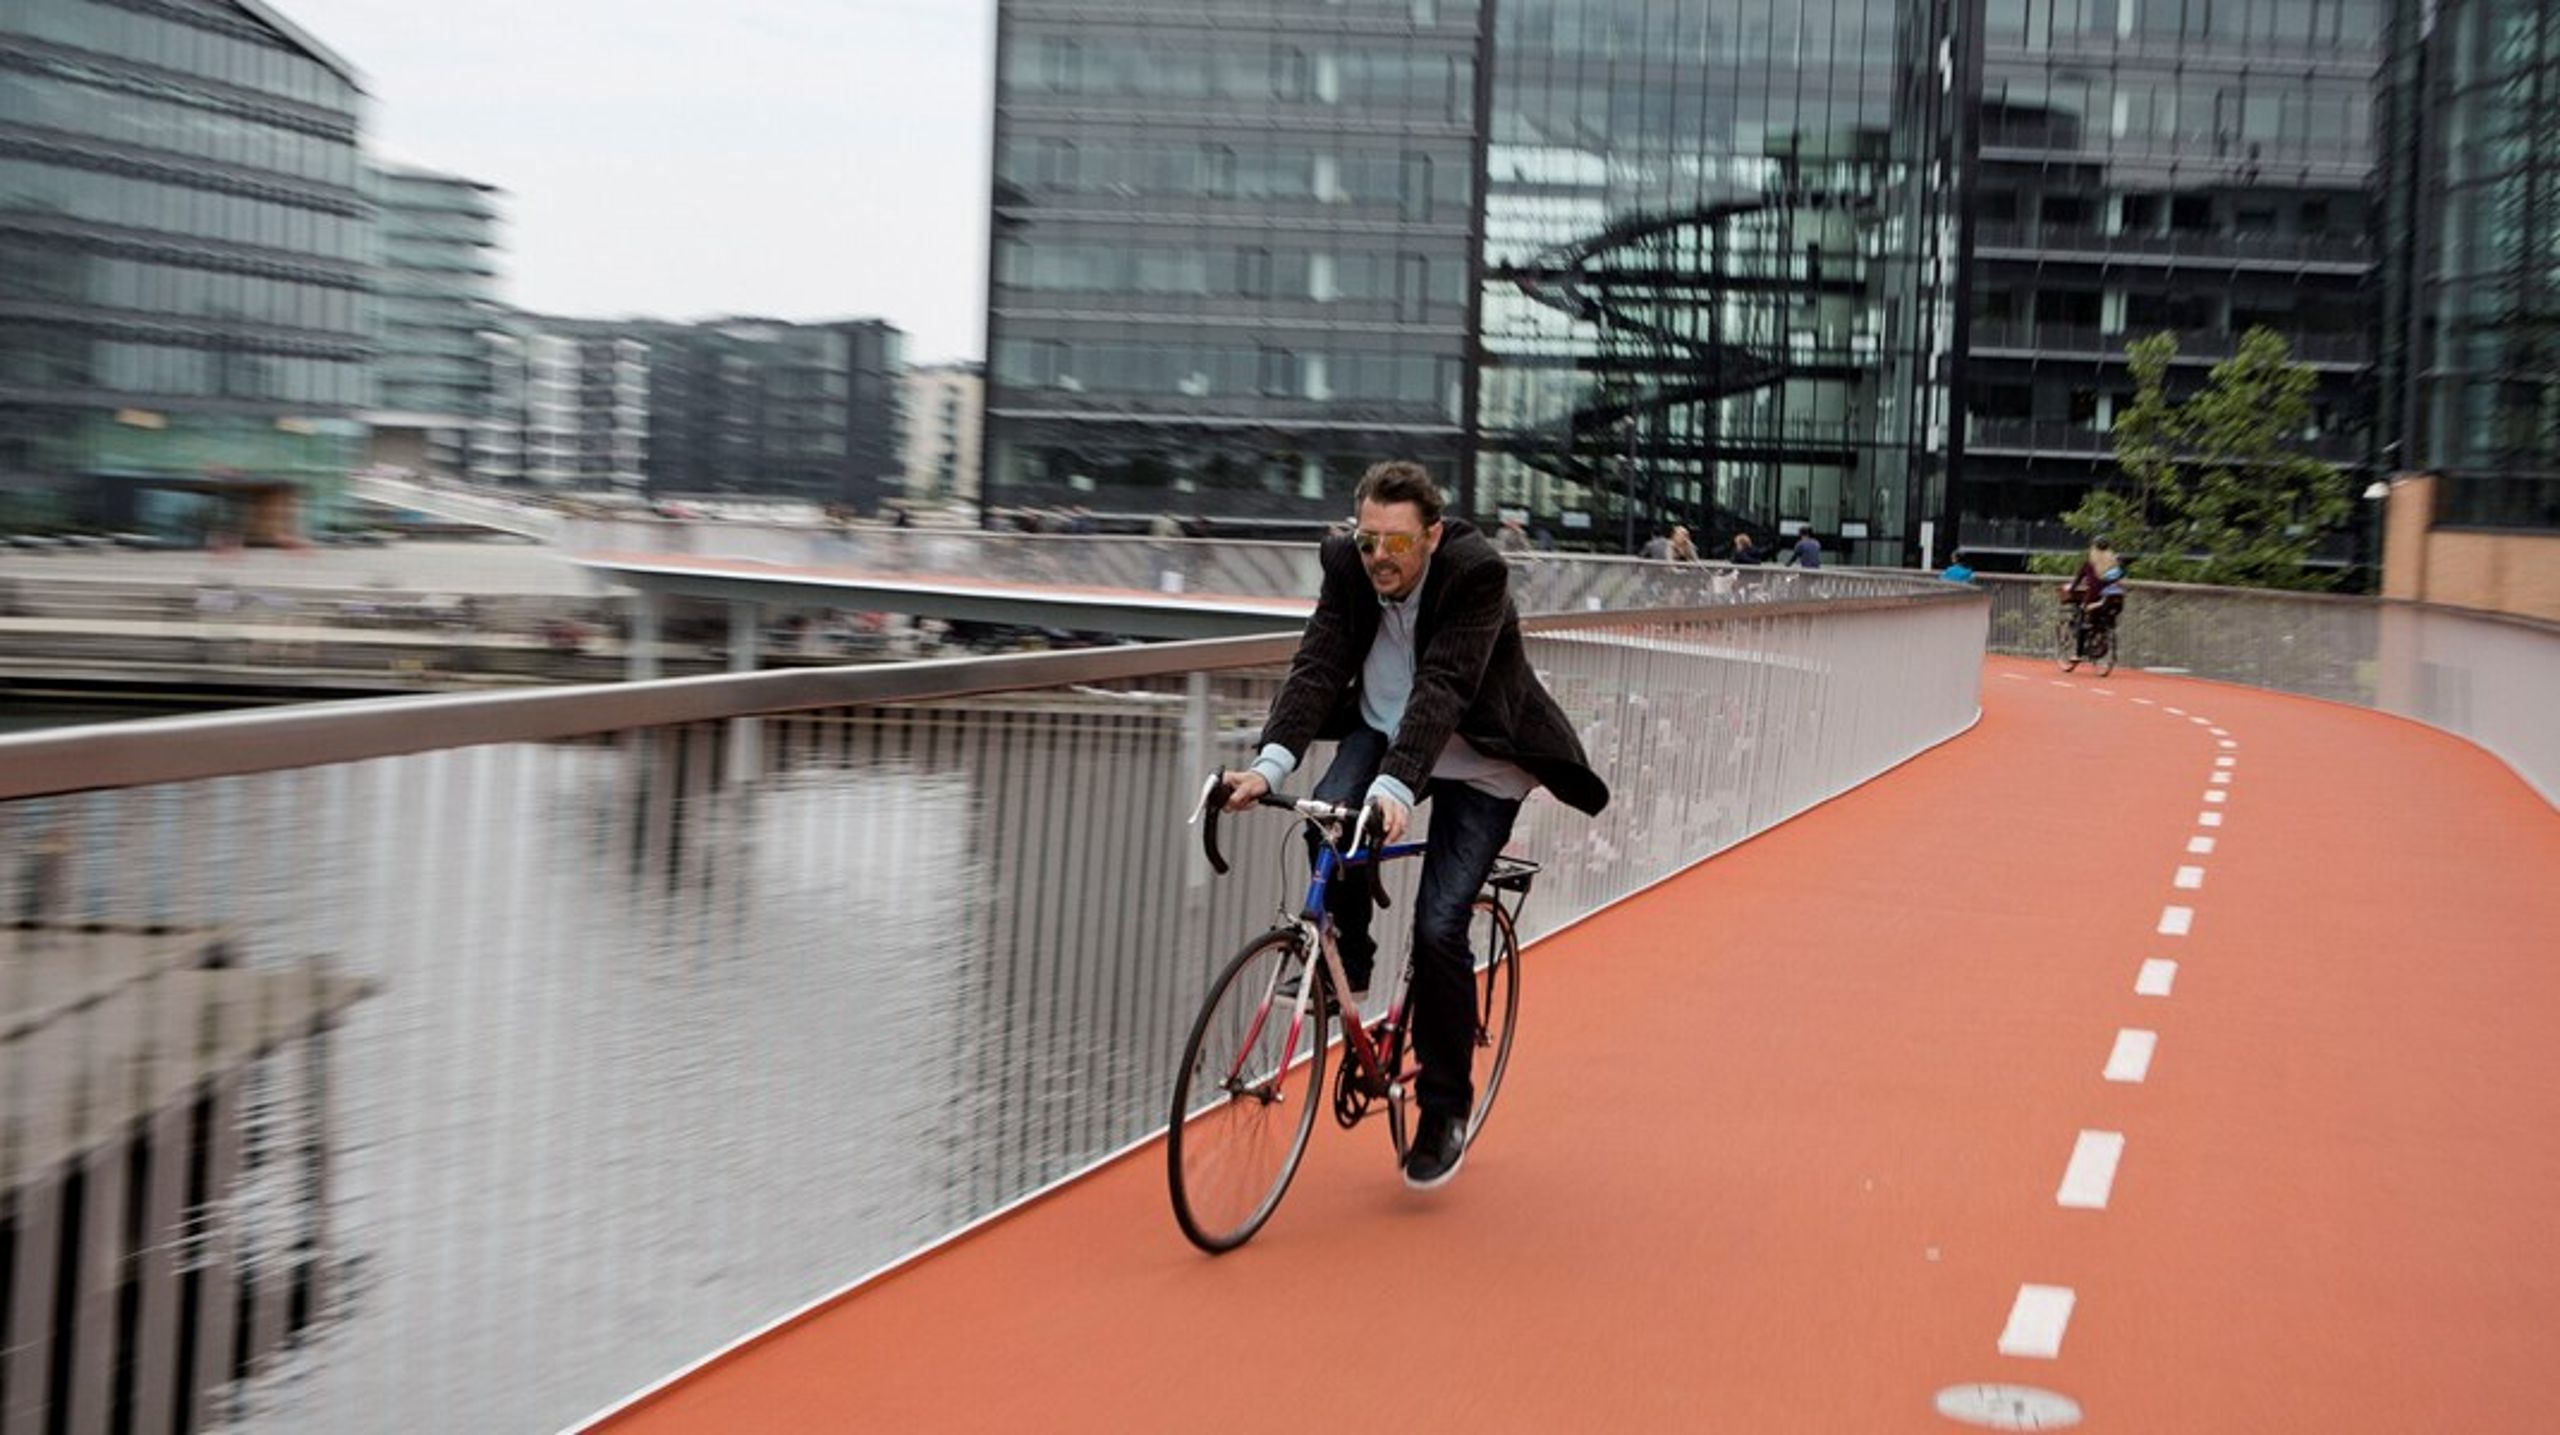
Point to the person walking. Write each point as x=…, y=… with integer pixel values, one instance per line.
x=1413, y=659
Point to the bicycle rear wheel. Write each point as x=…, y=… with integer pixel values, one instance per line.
x=1497, y=1016
x=2102, y=651
x=1497, y=950
x=1246, y=1096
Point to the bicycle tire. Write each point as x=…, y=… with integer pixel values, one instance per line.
x=1227, y=1160
x=1497, y=1018
x=2103, y=661
x=1497, y=985
x=2066, y=651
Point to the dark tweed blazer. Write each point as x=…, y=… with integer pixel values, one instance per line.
x=1470, y=673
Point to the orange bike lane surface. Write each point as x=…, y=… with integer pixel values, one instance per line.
x=1785, y=1138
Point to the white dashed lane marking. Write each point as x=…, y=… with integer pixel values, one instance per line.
x=2226, y=762
x=2037, y=1320
x=2217, y=795
x=2228, y=743
x=2175, y=712
x=2200, y=846
x=2188, y=879
x=2177, y=921
x=2208, y=819
x=2130, y=1062
x=2159, y=974
x=2091, y=1176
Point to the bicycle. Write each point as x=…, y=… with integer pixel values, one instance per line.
x=2077, y=640
x=1243, y=1104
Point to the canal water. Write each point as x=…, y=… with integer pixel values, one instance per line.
x=647, y=1057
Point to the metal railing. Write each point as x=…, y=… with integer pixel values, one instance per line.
x=1541, y=582
x=2483, y=676
x=2176, y=245
x=494, y=1055
x=1989, y=435
x=2194, y=345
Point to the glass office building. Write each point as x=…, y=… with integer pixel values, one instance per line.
x=435, y=305
x=1602, y=264
x=1713, y=290
x=1231, y=251
x=183, y=252
x=2473, y=385
x=775, y=409
x=1863, y=267
x=2198, y=166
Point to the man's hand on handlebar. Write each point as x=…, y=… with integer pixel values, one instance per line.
x=1392, y=818
x=1244, y=789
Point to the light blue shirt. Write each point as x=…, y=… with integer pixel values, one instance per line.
x=1386, y=686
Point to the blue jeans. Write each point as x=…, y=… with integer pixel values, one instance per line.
x=1468, y=828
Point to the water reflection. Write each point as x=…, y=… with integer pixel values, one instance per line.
x=658, y=1056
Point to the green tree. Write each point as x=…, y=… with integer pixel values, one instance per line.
x=2214, y=490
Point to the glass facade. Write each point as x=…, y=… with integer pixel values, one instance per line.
x=2477, y=128
x=1231, y=251
x=2199, y=166
x=753, y=406
x=435, y=293
x=1604, y=264
x=183, y=253
x=1714, y=242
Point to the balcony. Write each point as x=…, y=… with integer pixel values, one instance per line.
x=2006, y=338
x=2290, y=253
x=2027, y=438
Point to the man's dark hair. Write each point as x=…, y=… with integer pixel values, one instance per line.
x=1400, y=480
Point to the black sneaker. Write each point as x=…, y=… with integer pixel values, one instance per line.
x=1439, y=1148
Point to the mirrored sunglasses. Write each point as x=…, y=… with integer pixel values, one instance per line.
x=1397, y=545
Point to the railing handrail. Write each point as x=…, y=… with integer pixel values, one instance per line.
x=195, y=747
x=2543, y=626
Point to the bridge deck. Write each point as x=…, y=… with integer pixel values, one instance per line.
x=976, y=597
x=1785, y=1137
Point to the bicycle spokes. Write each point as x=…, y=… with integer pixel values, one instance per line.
x=1246, y=1097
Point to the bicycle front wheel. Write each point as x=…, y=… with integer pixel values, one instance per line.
x=2102, y=651
x=1245, y=1099
x=2066, y=645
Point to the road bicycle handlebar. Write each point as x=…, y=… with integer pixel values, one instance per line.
x=1215, y=793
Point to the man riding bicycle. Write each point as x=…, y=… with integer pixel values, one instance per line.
x=1413, y=661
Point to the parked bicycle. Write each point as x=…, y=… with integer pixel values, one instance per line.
x=1245, y=1099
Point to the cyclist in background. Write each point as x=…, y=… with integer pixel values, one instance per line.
x=2100, y=616
x=1413, y=661
x=2087, y=589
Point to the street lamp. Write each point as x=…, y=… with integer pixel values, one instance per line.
x=2375, y=493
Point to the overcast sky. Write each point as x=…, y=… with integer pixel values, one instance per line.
x=802, y=159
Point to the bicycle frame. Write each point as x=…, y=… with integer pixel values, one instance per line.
x=1317, y=920
x=1317, y=924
